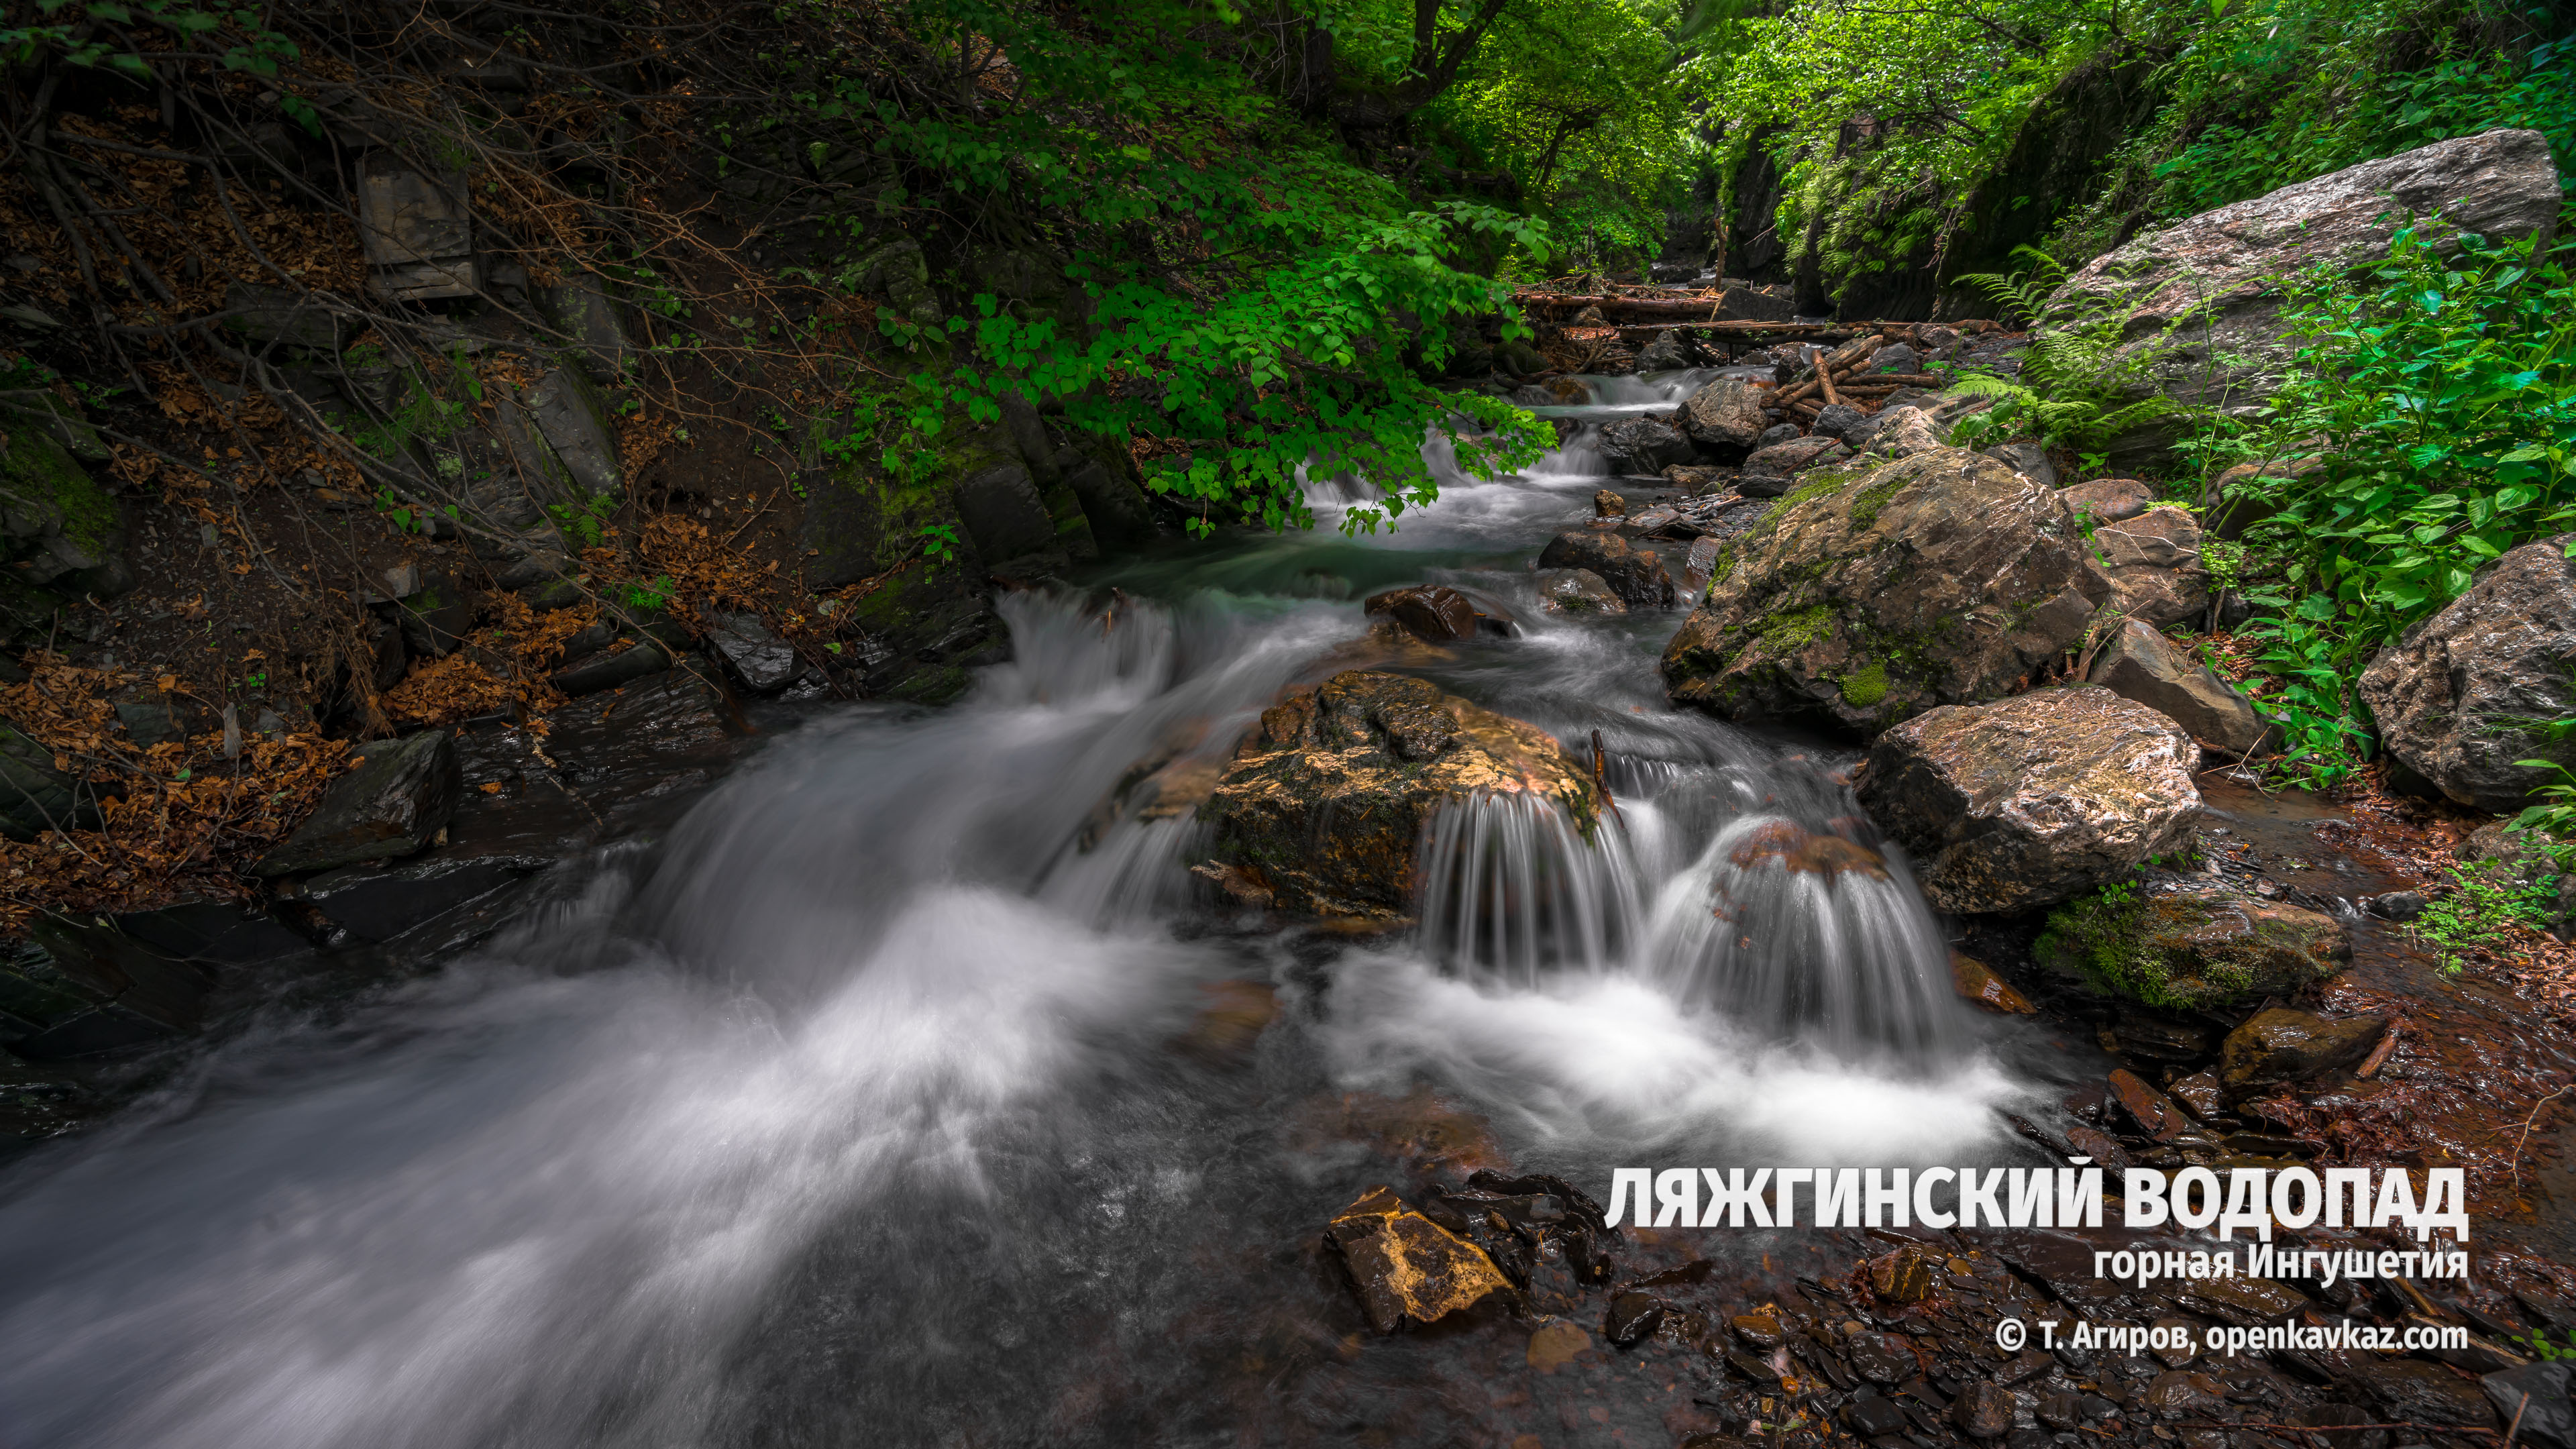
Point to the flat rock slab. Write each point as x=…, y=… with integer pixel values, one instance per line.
x=394, y=804
x=1406, y=1268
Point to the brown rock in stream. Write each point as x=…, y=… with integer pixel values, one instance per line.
x=2285, y=1045
x=1429, y=612
x=1405, y=1267
x=1326, y=804
x=1977, y=982
x=2153, y=1111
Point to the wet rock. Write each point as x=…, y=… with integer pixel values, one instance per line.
x=1325, y=805
x=2286, y=1045
x=2535, y=1399
x=34, y=796
x=1606, y=504
x=1870, y=596
x=2196, y=947
x=1407, y=1268
x=368, y=903
x=1120, y=514
x=1697, y=479
x=2199, y=1094
x=1635, y=574
x=2108, y=500
x=612, y=670
x=2028, y=459
x=1903, y=1276
x=2416, y=1392
x=77, y=987
x=2246, y=1302
x=2171, y=1393
x=1897, y=432
x=1632, y=1318
x=1429, y=612
x=1577, y=591
x=1776, y=434
x=1882, y=1358
x=1983, y=1410
x=2032, y=800
x=394, y=804
x=1724, y=418
x=2153, y=562
x=2466, y=695
x=1869, y=1414
x=760, y=661
x=573, y=419
x=2140, y=664
x=2219, y=269
x=1977, y=982
x=1644, y=445
x=2154, y=1112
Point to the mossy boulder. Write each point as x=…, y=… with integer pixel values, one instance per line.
x=58, y=527
x=1325, y=804
x=2193, y=947
x=1872, y=594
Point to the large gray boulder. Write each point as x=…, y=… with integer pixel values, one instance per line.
x=1644, y=445
x=2140, y=664
x=2501, y=185
x=1724, y=419
x=2032, y=800
x=2466, y=694
x=1871, y=595
x=2154, y=564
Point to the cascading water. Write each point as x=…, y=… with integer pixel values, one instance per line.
x=852, y=1110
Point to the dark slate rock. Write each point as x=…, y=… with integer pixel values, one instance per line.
x=391, y=806
x=610, y=671
x=36, y=797
x=1637, y=575
x=75, y=989
x=369, y=903
x=759, y=660
x=1837, y=419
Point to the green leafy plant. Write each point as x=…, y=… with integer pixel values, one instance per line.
x=2079, y=385
x=2433, y=408
x=585, y=522
x=2481, y=909
x=939, y=542
x=641, y=597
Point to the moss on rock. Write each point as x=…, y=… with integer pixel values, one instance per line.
x=2200, y=947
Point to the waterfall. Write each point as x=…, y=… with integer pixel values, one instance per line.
x=1510, y=889
x=1788, y=929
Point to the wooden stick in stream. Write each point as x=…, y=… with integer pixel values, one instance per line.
x=1601, y=782
x=1825, y=380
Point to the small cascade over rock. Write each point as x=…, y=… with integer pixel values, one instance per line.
x=1809, y=932
x=1512, y=889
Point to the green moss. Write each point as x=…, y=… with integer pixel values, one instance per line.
x=1792, y=631
x=1867, y=688
x=2107, y=938
x=42, y=472
x=1865, y=508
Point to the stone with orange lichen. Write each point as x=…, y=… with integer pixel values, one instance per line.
x=1806, y=851
x=1404, y=1266
x=1977, y=982
x=1327, y=800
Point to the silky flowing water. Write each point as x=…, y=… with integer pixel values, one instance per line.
x=855, y=1110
